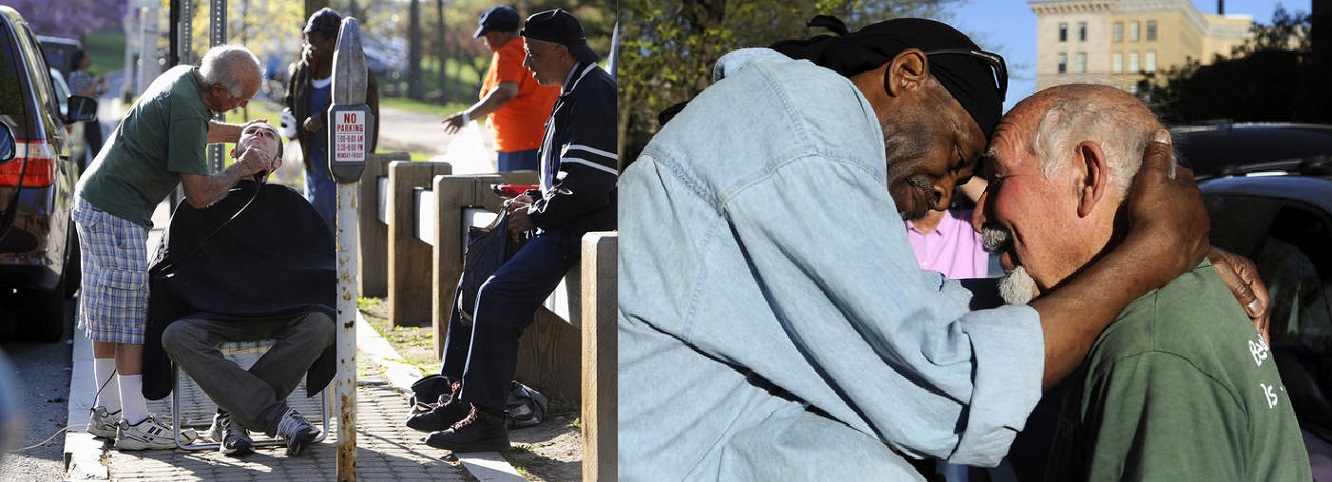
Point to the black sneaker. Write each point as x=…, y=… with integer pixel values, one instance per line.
x=297, y=432
x=232, y=438
x=480, y=431
x=443, y=416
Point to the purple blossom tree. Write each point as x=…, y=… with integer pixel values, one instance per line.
x=68, y=18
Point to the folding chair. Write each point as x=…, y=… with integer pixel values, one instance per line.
x=195, y=409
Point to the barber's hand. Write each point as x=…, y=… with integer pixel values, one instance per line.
x=253, y=161
x=453, y=123
x=1241, y=276
x=314, y=123
x=250, y=123
x=1167, y=211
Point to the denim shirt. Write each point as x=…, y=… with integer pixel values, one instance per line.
x=773, y=322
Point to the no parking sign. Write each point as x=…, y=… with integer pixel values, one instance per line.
x=350, y=127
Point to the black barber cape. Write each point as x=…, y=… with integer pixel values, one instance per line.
x=276, y=258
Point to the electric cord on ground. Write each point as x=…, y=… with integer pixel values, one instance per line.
x=48, y=439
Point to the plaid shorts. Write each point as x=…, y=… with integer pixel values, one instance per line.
x=113, y=299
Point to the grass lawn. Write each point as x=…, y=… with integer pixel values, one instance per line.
x=463, y=80
x=413, y=343
x=421, y=106
x=106, y=47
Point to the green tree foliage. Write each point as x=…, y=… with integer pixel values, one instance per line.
x=447, y=27
x=668, y=49
x=1272, y=77
x=265, y=27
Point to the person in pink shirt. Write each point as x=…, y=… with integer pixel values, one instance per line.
x=944, y=241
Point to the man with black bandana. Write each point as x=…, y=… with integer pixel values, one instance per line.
x=773, y=323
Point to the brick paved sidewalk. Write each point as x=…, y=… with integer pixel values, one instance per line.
x=385, y=451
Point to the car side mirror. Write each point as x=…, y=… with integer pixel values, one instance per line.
x=81, y=108
x=6, y=143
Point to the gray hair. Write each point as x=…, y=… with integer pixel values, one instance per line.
x=229, y=66
x=1117, y=126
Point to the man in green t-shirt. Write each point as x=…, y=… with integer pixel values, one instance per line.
x=1181, y=386
x=157, y=146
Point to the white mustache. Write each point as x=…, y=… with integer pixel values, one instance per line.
x=995, y=238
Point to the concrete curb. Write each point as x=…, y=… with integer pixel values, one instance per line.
x=83, y=452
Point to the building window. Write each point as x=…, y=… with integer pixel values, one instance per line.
x=1082, y=31
x=1063, y=63
x=1133, y=31
x=1117, y=63
x=1150, y=61
x=1133, y=62
x=1063, y=32
x=1082, y=62
x=1151, y=30
x=1119, y=32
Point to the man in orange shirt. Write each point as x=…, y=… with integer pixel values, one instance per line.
x=520, y=105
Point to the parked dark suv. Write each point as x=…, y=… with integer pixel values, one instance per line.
x=38, y=244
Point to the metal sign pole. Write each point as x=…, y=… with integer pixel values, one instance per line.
x=349, y=123
x=217, y=35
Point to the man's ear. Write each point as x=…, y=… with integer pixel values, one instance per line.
x=908, y=70
x=1095, y=172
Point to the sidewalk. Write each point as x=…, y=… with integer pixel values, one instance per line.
x=386, y=450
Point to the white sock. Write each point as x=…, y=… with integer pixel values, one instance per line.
x=131, y=399
x=107, y=388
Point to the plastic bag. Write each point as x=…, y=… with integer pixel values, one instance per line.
x=526, y=407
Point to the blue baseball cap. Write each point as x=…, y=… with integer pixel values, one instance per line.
x=500, y=18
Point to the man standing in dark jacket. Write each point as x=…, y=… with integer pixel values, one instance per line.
x=577, y=194
x=309, y=95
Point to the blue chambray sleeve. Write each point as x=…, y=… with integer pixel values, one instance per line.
x=896, y=352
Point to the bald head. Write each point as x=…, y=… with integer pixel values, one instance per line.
x=1057, y=120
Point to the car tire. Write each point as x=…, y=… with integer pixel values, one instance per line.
x=41, y=314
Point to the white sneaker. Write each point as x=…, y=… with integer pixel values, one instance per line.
x=149, y=434
x=102, y=423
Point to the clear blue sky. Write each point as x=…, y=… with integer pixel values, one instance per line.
x=1008, y=27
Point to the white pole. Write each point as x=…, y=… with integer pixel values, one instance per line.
x=345, y=387
x=349, y=84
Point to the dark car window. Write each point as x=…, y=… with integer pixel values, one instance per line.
x=1289, y=242
x=12, y=90
x=39, y=77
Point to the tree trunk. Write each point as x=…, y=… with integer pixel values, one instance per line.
x=312, y=6
x=440, y=54
x=414, y=54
